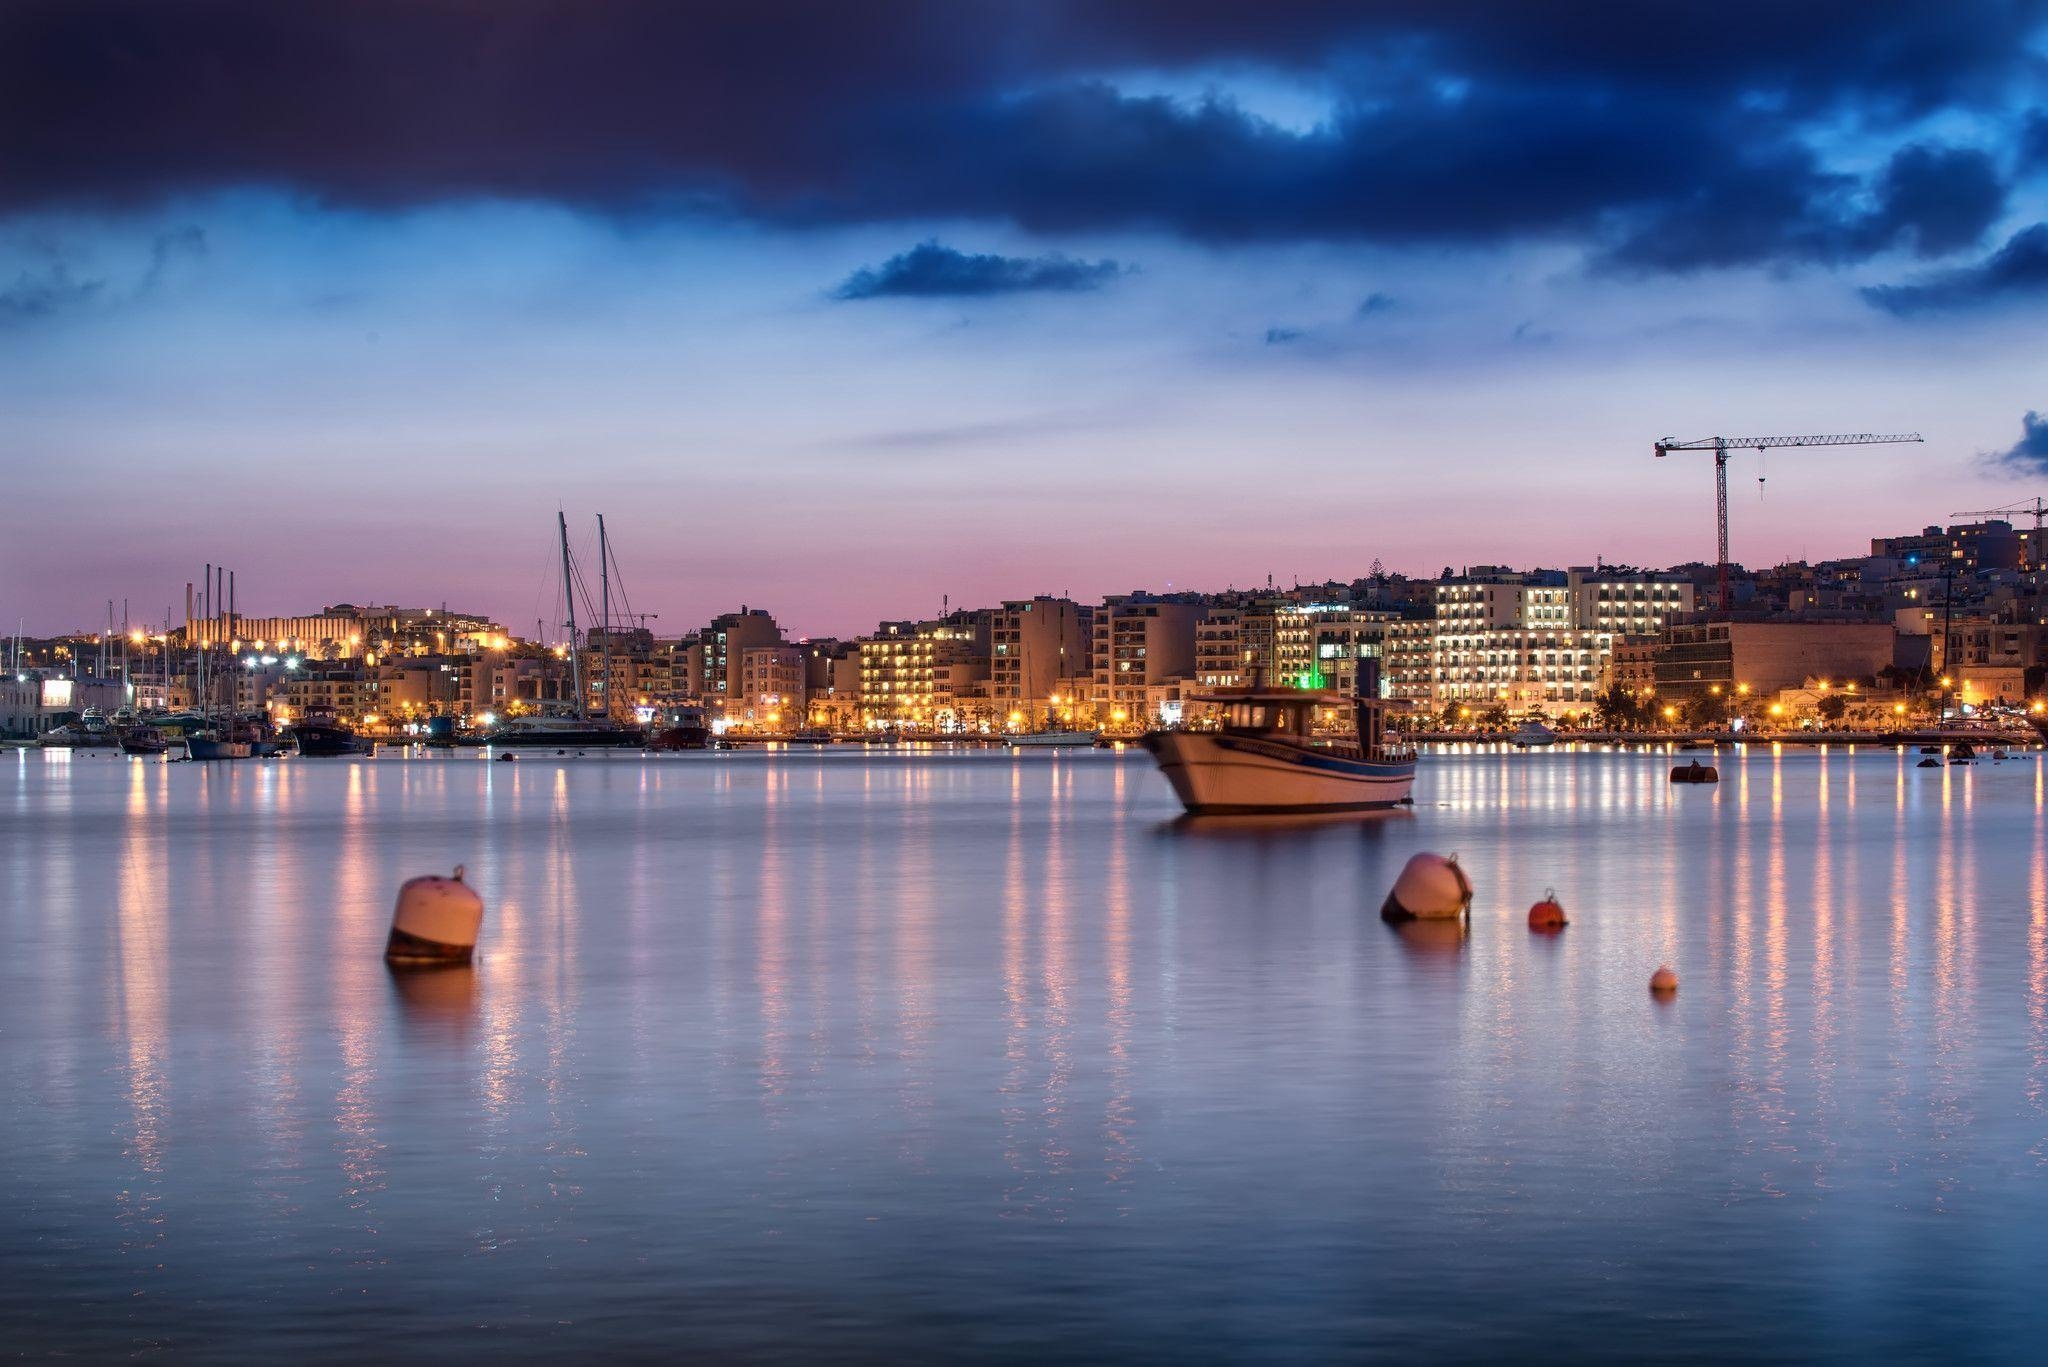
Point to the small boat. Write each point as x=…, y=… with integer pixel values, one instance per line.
x=1036, y=740
x=1964, y=753
x=322, y=734
x=1266, y=758
x=144, y=740
x=211, y=745
x=685, y=729
x=1531, y=734
x=91, y=731
x=1695, y=772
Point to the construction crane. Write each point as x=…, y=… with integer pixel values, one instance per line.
x=1721, y=446
x=2038, y=507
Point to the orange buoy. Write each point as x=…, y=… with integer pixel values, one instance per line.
x=1430, y=887
x=436, y=921
x=1664, y=981
x=1547, y=914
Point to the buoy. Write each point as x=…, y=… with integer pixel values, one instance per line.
x=436, y=921
x=1547, y=914
x=1695, y=772
x=1664, y=981
x=1430, y=887
x=507, y=757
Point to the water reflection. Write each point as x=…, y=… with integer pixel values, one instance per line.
x=437, y=1003
x=870, y=1056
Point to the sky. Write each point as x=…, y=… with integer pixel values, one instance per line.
x=850, y=311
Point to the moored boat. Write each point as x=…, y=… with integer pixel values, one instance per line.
x=1035, y=740
x=1267, y=759
x=564, y=732
x=144, y=740
x=1530, y=734
x=214, y=745
x=322, y=734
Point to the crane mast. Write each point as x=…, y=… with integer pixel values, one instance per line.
x=1721, y=446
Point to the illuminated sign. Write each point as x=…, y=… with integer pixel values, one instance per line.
x=56, y=693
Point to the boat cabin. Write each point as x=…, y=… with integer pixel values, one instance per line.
x=1286, y=712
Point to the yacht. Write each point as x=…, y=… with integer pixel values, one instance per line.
x=1266, y=759
x=563, y=732
x=1532, y=733
x=322, y=733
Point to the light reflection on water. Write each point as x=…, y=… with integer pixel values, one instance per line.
x=848, y=1055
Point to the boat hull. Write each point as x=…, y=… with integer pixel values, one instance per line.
x=1216, y=773
x=318, y=741
x=199, y=748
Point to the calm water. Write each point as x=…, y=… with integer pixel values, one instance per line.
x=850, y=1057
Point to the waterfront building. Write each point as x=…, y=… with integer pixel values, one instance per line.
x=1699, y=658
x=722, y=650
x=1038, y=648
x=927, y=676
x=1967, y=546
x=1141, y=639
x=772, y=687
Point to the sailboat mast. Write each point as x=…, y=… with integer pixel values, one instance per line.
x=604, y=579
x=569, y=597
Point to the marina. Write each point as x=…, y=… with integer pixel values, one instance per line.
x=844, y=1052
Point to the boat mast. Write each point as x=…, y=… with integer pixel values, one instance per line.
x=569, y=598
x=604, y=579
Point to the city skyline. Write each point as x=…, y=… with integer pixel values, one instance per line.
x=1059, y=300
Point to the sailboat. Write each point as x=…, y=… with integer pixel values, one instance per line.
x=219, y=740
x=573, y=727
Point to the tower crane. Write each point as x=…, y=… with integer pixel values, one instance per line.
x=1721, y=446
x=2038, y=507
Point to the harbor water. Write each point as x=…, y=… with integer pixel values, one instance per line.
x=868, y=1056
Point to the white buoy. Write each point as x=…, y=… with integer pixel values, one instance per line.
x=1430, y=888
x=436, y=921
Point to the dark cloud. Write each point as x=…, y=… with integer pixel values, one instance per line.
x=1783, y=207
x=2028, y=455
x=1278, y=336
x=931, y=269
x=2034, y=141
x=45, y=292
x=2018, y=270
x=1669, y=134
x=1375, y=302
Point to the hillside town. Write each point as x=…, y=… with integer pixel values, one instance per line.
x=1946, y=622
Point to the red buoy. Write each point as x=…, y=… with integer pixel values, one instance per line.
x=1664, y=981
x=1548, y=914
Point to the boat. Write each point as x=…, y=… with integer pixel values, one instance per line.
x=1266, y=758
x=210, y=745
x=1530, y=734
x=683, y=729
x=1964, y=753
x=91, y=731
x=322, y=734
x=563, y=731
x=144, y=740
x=572, y=726
x=1035, y=740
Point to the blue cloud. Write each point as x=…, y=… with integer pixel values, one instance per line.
x=932, y=270
x=2028, y=455
x=1279, y=336
x=1375, y=302
x=1481, y=122
x=2018, y=270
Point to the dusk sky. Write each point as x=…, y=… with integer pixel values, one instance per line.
x=834, y=309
